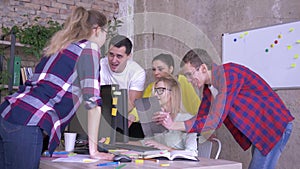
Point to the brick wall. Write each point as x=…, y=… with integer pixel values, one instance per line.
x=16, y=12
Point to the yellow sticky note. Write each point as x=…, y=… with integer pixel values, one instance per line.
x=293, y=65
x=272, y=45
x=241, y=35
x=115, y=101
x=296, y=56
x=246, y=33
x=298, y=41
x=107, y=140
x=289, y=47
x=279, y=36
x=139, y=161
x=164, y=165
x=87, y=160
x=291, y=29
x=114, y=111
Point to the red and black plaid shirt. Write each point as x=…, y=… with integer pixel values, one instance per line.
x=250, y=109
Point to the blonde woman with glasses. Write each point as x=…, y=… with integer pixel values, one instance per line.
x=167, y=90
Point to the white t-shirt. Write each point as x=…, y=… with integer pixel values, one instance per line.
x=132, y=78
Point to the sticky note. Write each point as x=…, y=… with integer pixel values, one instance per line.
x=115, y=101
x=291, y=29
x=296, y=56
x=293, y=65
x=289, y=47
x=241, y=35
x=114, y=111
x=164, y=165
x=279, y=36
x=139, y=161
x=107, y=140
x=88, y=160
x=246, y=33
x=298, y=41
x=272, y=45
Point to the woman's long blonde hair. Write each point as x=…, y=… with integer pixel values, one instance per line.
x=174, y=86
x=78, y=26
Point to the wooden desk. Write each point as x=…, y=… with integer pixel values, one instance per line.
x=202, y=164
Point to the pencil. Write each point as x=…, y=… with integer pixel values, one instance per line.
x=150, y=159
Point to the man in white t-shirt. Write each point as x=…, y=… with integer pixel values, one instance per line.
x=118, y=68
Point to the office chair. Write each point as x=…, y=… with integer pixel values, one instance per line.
x=205, y=147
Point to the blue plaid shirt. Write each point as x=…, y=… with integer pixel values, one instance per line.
x=59, y=84
x=246, y=104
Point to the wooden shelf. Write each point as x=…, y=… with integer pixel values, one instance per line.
x=3, y=42
x=6, y=87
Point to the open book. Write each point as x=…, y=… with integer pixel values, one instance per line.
x=171, y=155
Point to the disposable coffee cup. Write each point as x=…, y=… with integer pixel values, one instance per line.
x=70, y=139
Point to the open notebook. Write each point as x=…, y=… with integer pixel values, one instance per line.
x=146, y=107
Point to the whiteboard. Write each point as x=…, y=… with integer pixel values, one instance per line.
x=272, y=52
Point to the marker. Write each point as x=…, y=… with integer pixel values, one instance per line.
x=121, y=166
x=108, y=164
x=56, y=153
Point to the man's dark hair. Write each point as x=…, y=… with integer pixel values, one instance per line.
x=120, y=41
x=196, y=57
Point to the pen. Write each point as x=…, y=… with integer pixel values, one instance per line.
x=108, y=164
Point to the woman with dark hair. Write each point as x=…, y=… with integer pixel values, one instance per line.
x=163, y=65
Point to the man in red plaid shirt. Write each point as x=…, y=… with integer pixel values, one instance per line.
x=243, y=101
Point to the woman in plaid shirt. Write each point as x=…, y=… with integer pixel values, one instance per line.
x=67, y=75
x=243, y=101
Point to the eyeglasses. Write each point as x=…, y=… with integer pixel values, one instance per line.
x=189, y=75
x=161, y=90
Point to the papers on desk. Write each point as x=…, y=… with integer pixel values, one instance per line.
x=79, y=158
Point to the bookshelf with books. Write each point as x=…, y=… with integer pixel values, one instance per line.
x=10, y=64
x=26, y=73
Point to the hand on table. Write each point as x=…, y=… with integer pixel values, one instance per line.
x=157, y=145
x=101, y=156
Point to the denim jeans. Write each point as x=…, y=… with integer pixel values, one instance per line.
x=269, y=161
x=20, y=146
